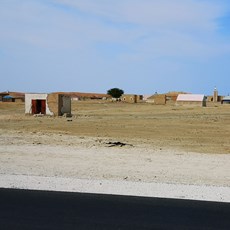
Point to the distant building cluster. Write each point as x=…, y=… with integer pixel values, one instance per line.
x=178, y=98
x=59, y=103
x=12, y=97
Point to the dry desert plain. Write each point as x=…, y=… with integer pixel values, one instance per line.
x=162, y=144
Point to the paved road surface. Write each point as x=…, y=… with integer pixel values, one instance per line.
x=25, y=209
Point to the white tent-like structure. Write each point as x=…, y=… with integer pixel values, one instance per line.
x=191, y=99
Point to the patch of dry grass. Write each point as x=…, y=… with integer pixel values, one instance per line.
x=189, y=128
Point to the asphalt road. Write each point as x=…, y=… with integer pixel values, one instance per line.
x=25, y=209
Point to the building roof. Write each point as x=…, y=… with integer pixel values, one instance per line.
x=8, y=97
x=17, y=94
x=190, y=97
x=3, y=94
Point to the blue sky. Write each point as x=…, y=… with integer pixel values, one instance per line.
x=140, y=46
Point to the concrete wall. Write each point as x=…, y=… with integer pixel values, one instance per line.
x=35, y=96
x=66, y=104
x=56, y=104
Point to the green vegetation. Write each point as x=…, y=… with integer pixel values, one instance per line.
x=115, y=92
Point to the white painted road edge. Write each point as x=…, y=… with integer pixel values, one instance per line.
x=160, y=190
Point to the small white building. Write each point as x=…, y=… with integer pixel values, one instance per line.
x=53, y=104
x=191, y=99
x=225, y=100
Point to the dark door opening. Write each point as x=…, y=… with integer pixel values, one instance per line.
x=38, y=106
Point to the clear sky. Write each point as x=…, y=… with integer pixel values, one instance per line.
x=140, y=46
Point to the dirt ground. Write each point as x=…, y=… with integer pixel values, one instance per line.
x=159, y=144
x=196, y=129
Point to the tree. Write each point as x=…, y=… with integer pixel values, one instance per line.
x=115, y=92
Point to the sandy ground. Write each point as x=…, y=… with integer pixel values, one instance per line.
x=85, y=164
x=63, y=158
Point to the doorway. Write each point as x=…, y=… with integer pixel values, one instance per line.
x=38, y=106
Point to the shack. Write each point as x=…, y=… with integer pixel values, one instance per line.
x=53, y=104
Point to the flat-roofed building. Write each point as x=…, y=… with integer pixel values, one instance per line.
x=53, y=104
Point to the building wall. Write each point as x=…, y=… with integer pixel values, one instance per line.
x=33, y=96
x=129, y=98
x=53, y=102
x=215, y=96
x=139, y=98
x=157, y=99
x=59, y=104
x=56, y=104
x=171, y=99
x=66, y=104
x=160, y=99
x=209, y=98
x=191, y=103
x=225, y=102
x=19, y=99
x=191, y=99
